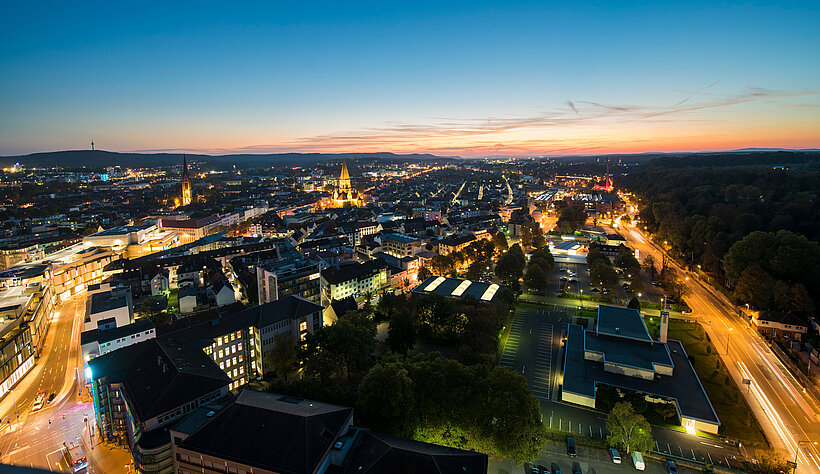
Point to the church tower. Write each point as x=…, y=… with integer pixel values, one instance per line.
x=187, y=192
x=344, y=180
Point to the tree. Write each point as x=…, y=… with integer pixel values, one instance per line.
x=345, y=346
x=515, y=250
x=401, y=336
x=475, y=271
x=535, y=279
x=603, y=274
x=442, y=265
x=595, y=255
x=629, y=431
x=509, y=417
x=571, y=218
x=386, y=400
x=668, y=410
x=625, y=259
x=282, y=357
x=544, y=259
x=500, y=241
x=424, y=273
x=754, y=286
x=509, y=268
x=634, y=303
x=649, y=263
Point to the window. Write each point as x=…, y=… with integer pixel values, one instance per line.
x=220, y=353
x=242, y=369
x=240, y=358
x=219, y=341
x=234, y=372
x=233, y=336
x=222, y=365
x=233, y=361
x=239, y=346
x=239, y=334
x=233, y=349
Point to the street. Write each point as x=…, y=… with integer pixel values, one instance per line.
x=776, y=399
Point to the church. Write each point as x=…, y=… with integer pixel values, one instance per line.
x=187, y=191
x=344, y=195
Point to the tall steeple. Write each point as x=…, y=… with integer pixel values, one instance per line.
x=187, y=192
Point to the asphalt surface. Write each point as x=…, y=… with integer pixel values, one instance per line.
x=35, y=440
x=786, y=414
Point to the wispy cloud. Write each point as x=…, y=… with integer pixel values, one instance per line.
x=508, y=135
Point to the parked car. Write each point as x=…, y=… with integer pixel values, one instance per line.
x=555, y=468
x=670, y=466
x=543, y=469
x=535, y=470
x=594, y=289
x=613, y=454
x=576, y=468
x=571, y=446
x=51, y=397
x=637, y=461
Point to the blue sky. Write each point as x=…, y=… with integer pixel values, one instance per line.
x=468, y=78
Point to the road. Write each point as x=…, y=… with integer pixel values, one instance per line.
x=776, y=399
x=35, y=439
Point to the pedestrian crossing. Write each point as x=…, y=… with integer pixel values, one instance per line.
x=541, y=381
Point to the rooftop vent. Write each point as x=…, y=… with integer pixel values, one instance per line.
x=617, y=330
x=210, y=413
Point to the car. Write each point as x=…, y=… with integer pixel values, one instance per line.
x=572, y=280
x=535, y=470
x=39, y=401
x=613, y=454
x=576, y=468
x=670, y=466
x=564, y=270
x=563, y=278
x=51, y=397
x=571, y=446
x=594, y=289
x=555, y=468
x=543, y=469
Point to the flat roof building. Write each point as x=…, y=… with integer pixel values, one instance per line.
x=458, y=288
x=620, y=353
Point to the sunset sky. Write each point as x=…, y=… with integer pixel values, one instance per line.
x=451, y=78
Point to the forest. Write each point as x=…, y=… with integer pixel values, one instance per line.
x=748, y=220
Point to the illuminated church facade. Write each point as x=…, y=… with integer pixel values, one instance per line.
x=344, y=195
x=187, y=191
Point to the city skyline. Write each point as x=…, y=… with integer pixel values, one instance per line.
x=455, y=80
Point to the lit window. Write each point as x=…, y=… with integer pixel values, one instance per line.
x=240, y=357
x=233, y=336
x=220, y=353
x=239, y=346
x=242, y=370
x=233, y=361
x=222, y=365
x=219, y=341
x=233, y=349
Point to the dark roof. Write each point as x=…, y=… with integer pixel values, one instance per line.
x=349, y=272
x=287, y=307
x=159, y=374
x=106, y=301
x=379, y=453
x=106, y=335
x=581, y=376
x=342, y=306
x=629, y=352
x=456, y=240
x=273, y=432
x=781, y=317
x=621, y=322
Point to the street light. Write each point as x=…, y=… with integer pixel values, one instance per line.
x=797, y=451
x=728, y=335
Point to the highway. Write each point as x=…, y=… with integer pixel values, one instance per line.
x=776, y=399
x=35, y=438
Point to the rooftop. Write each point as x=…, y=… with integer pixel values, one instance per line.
x=458, y=288
x=621, y=322
x=581, y=376
x=272, y=432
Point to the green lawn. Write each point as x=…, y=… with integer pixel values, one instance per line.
x=737, y=421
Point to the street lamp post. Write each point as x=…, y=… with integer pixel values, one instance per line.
x=728, y=335
x=14, y=400
x=797, y=451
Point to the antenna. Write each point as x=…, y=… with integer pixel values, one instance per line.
x=92, y=145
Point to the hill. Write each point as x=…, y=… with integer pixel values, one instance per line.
x=101, y=159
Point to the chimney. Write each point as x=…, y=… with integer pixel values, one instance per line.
x=664, y=326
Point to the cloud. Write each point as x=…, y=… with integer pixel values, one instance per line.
x=572, y=106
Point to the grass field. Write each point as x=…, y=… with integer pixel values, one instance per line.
x=737, y=421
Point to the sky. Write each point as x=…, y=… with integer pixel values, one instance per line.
x=467, y=78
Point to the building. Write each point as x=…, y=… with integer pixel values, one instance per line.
x=101, y=341
x=296, y=275
x=780, y=325
x=17, y=350
x=27, y=293
x=108, y=307
x=267, y=433
x=399, y=245
x=338, y=308
x=620, y=353
x=356, y=280
x=142, y=389
x=455, y=243
x=242, y=339
x=345, y=195
x=161, y=283
x=458, y=288
x=187, y=190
